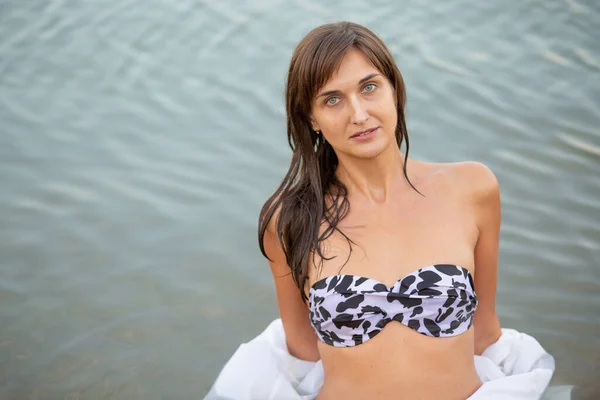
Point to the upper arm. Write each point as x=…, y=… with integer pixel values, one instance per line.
x=485, y=194
x=300, y=337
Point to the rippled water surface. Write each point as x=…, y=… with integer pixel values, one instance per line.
x=138, y=140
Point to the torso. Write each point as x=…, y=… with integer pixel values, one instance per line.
x=391, y=241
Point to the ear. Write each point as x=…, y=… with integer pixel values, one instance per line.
x=314, y=125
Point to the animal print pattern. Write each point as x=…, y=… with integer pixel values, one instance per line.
x=437, y=300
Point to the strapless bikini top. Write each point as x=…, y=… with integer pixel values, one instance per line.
x=437, y=300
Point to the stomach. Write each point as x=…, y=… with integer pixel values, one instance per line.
x=400, y=363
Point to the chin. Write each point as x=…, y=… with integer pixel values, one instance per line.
x=372, y=150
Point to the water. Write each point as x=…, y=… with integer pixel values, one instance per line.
x=138, y=140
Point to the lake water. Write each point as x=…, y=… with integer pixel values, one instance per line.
x=139, y=139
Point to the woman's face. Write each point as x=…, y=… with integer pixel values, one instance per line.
x=357, y=98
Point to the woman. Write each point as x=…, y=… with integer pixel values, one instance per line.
x=385, y=267
x=354, y=205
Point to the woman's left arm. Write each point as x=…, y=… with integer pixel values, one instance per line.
x=488, y=216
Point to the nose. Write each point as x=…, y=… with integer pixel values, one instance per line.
x=359, y=112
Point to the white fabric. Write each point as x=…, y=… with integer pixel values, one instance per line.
x=515, y=367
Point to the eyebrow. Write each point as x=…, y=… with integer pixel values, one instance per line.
x=335, y=91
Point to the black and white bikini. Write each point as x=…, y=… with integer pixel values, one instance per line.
x=438, y=300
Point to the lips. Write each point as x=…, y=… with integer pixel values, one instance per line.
x=363, y=133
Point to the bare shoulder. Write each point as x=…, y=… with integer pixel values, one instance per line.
x=470, y=180
x=271, y=242
x=477, y=180
x=271, y=227
x=477, y=187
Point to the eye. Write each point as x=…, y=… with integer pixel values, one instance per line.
x=369, y=88
x=330, y=102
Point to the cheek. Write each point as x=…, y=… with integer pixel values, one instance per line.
x=334, y=122
x=391, y=114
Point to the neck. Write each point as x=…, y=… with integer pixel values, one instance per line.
x=374, y=179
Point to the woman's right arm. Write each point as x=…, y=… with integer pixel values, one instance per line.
x=301, y=338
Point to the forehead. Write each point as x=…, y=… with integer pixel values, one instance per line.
x=353, y=67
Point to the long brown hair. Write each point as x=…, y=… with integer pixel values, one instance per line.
x=300, y=200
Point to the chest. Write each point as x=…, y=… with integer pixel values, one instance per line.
x=392, y=241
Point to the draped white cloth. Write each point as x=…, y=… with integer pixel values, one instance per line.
x=516, y=367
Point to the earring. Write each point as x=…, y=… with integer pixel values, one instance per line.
x=318, y=132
